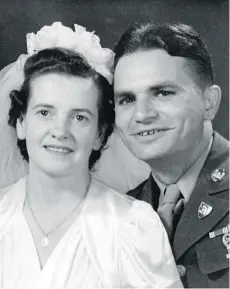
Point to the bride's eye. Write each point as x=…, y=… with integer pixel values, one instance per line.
x=80, y=117
x=43, y=112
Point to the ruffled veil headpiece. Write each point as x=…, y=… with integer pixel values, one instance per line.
x=12, y=166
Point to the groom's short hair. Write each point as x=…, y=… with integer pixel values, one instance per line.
x=176, y=39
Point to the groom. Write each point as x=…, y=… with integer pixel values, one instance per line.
x=165, y=102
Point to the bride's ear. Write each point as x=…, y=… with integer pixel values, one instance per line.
x=99, y=140
x=20, y=128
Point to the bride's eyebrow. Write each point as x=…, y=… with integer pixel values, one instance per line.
x=42, y=105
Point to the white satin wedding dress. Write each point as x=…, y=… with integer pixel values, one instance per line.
x=116, y=242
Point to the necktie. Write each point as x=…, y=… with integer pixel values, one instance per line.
x=172, y=206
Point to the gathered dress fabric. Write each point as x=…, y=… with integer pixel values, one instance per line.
x=116, y=242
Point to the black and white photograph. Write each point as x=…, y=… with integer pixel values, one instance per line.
x=114, y=144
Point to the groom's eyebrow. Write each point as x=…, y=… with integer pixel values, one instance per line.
x=163, y=85
x=120, y=94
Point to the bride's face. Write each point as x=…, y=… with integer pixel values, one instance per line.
x=61, y=123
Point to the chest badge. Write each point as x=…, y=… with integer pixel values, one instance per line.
x=226, y=242
x=219, y=232
x=204, y=210
x=225, y=239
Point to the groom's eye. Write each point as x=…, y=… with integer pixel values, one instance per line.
x=126, y=100
x=164, y=93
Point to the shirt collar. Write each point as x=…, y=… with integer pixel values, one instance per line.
x=187, y=182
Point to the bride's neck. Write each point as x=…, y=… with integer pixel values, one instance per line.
x=46, y=190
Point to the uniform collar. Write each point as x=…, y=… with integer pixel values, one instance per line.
x=187, y=182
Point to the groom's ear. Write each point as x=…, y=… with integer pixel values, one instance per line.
x=212, y=98
x=21, y=128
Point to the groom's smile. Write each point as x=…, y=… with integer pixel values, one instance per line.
x=159, y=108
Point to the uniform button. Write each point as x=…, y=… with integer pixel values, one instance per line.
x=182, y=270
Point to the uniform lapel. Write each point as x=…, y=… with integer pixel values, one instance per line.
x=151, y=192
x=190, y=228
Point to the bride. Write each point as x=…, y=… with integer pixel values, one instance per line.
x=59, y=226
x=117, y=166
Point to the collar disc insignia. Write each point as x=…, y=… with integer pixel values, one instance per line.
x=218, y=175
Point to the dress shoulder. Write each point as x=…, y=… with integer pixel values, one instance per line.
x=126, y=240
x=4, y=191
x=145, y=256
x=110, y=197
x=11, y=201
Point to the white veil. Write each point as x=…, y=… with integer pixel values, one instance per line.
x=12, y=166
x=119, y=168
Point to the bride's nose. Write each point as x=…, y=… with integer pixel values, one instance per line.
x=60, y=128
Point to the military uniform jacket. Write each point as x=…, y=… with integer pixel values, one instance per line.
x=202, y=261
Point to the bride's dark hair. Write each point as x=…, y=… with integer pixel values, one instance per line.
x=65, y=62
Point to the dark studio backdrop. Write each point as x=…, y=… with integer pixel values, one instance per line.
x=109, y=18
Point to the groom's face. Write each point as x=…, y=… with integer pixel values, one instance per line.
x=160, y=108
